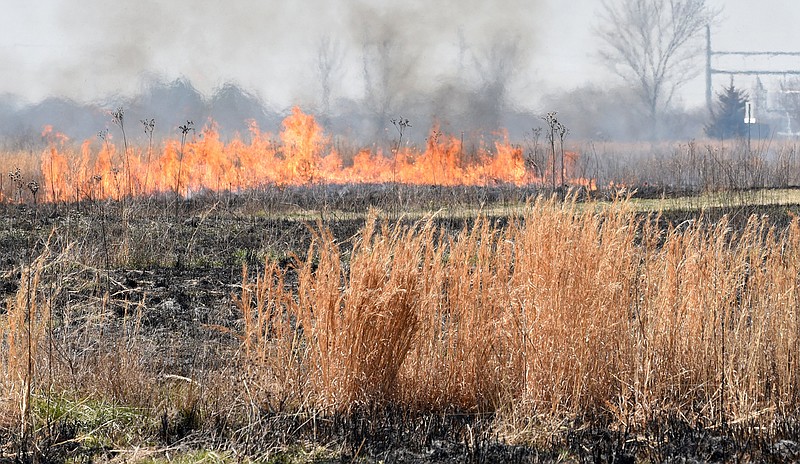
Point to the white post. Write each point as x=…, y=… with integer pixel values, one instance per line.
x=749, y=119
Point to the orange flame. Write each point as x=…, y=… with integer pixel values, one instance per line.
x=302, y=155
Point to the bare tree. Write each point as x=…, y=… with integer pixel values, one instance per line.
x=496, y=66
x=654, y=44
x=389, y=67
x=330, y=56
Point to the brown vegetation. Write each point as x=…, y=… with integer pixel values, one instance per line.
x=566, y=310
x=567, y=313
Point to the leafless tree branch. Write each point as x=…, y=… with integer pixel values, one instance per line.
x=654, y=44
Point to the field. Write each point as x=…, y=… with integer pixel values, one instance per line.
x=317, y=320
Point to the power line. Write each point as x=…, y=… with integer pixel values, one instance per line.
x=710, y=70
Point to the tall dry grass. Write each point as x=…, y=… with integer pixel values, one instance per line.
x=568, y=310
x=565, y=310
x=67, y=361
x=23, y=334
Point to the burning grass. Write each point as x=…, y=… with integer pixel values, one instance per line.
x=559, y=318
x=301, y=155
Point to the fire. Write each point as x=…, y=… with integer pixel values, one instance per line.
x=302, y=154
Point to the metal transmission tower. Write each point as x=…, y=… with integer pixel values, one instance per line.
x=710, y=70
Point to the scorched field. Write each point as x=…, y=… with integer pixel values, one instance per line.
x=277, y=299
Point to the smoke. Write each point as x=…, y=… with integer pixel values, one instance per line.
x=458, y=63
x=456, y=60
x=604, y=113
x=392, y=52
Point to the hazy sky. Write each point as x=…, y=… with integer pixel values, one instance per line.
x=90, y=49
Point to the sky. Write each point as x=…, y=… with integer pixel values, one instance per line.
x=87, y=50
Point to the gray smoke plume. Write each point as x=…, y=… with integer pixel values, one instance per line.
x=456, y=62
x=453, y=61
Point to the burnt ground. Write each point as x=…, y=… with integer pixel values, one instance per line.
x=175, y=271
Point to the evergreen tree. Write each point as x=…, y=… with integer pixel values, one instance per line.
x=728, y=120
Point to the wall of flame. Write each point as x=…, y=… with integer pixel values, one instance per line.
x=301, y=154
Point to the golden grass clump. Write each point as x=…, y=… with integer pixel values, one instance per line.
x=22, y=334
x=569, y=309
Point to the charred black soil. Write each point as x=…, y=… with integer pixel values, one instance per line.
x=165, y=276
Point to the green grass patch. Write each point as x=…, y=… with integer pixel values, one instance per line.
x=98, y=423
x=733, y=199
x=191, y=457
x=297, y=454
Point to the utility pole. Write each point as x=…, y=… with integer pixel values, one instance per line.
x=708, y=69
x=749, y=119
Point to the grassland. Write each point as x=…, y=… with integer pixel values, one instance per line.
x=291, y=313
x=260, y=327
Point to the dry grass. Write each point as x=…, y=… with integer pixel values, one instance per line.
x=561, y=313
x=29, y=165
x=24, y=330
x=78, y=376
